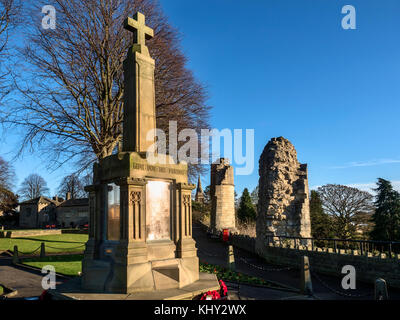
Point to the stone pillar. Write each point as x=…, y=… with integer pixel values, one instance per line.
x=305, y=277
x=133, y=220
x=222, y=191
x=139, y=99
x=185, y=244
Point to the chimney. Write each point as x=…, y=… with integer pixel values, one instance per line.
x=68, y=196
x=55, y=198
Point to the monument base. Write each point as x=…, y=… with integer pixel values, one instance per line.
x=72, y=290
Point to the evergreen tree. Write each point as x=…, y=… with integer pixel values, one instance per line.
x=237, y=200
x=246, y=211
x=321, y=222
x=387, y=213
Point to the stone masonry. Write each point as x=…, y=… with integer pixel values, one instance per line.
x=222, y=191
x=283, y=205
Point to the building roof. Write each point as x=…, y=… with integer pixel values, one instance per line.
x=39, y=199
x=75, y=203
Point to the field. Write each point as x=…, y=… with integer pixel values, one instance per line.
x=68, y=265
x=58, y=243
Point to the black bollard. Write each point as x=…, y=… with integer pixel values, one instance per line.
x=381, y=292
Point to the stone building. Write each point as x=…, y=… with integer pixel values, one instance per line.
x=38, y=212
x=283, y=205
x=73, y=213
x=42, y=211
x=222, y=190
x=199, y=197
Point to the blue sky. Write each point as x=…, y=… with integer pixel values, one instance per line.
x=287, y=68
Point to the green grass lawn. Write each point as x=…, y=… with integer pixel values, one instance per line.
x=56, y=243
x=68, y=265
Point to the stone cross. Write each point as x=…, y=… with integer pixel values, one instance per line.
x=139, y=95
x=137, y=25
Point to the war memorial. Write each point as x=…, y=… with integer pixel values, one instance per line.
x=140, y=237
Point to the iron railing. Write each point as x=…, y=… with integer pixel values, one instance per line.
x=390, y=248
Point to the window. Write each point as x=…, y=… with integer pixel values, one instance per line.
x=158, y=215
x=113, y=212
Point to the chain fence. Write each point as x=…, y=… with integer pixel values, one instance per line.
x=29, y=253
x=265, y=269
x=50, y=247
x=209, y=254
x=60, y=248
x=337, y=292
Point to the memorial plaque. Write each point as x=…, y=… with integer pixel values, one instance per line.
x=158, y=210
x=113, y=212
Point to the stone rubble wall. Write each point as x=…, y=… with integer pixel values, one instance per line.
x=283, y=206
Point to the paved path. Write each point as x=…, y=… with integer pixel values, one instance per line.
x=28, y=282
x=214, y=252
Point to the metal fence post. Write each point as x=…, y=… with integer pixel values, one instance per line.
x=15, y=258
x=42, y=250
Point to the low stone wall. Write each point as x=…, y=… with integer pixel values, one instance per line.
x=324, y=260
x=28, y=233
x=244, y=242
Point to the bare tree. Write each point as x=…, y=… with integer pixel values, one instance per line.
x=8, y=14
x=32, y=187
x=7, y=175
x=73, y=185
x=72, y=103
x=348, y=206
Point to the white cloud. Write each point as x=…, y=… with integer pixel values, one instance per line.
x=367, y=163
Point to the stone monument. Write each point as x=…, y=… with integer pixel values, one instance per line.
x=222, y=192
x=283, y=205
x=140, y=215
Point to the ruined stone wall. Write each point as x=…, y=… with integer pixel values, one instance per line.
x=283, y=205
x=222, y=191
x=325, y=261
